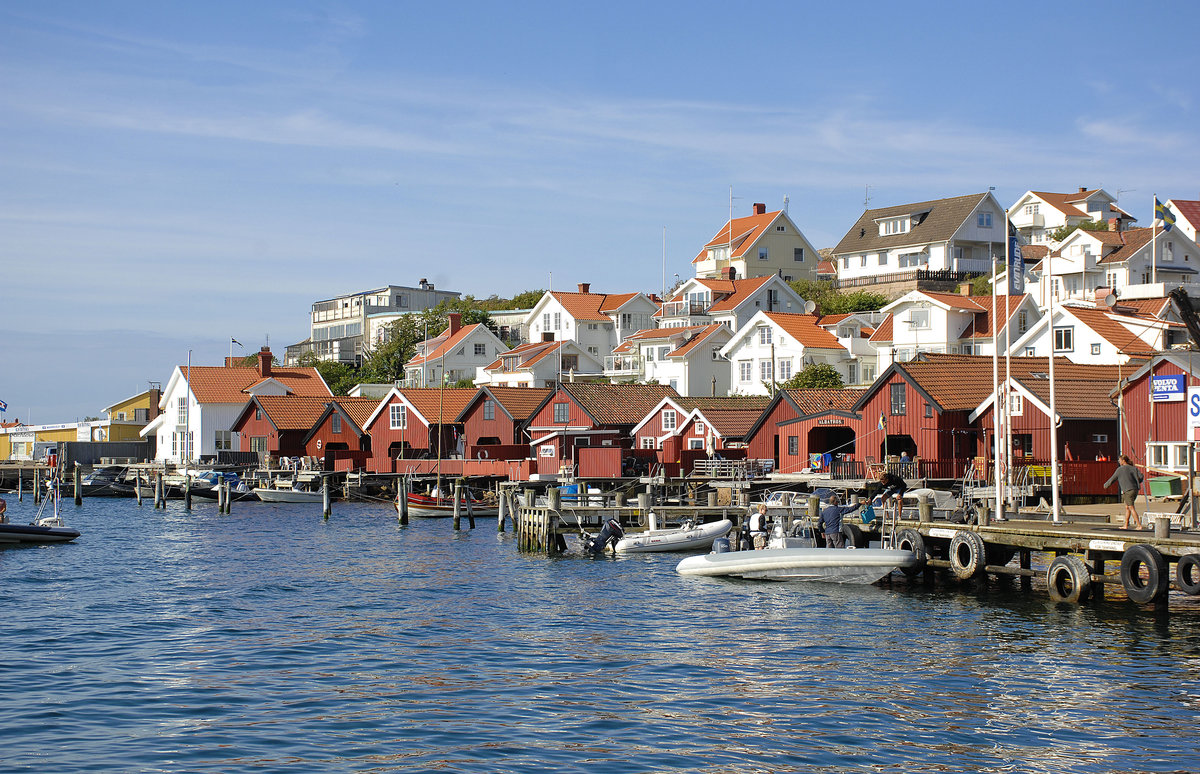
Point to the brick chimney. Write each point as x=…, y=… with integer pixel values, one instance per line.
x=585, y=287
x=264, y=362
x=1082, y=188
x=1114, y=224
x=760, y=208
x=455, y=322
x=731, y=273
x=155, y=397
x=966, y=289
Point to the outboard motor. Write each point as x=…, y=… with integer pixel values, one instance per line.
x=720, y=545
x=611, y=532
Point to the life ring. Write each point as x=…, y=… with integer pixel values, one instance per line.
x=1186, y=570
x=1154, y=586
x=483, y=455
x=967, y=551
x=911, y=540
x=1068, y=579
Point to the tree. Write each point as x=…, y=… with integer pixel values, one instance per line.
x=339, y=376
x=831, y=301
x=1062, y=232
x=386, y=363
x=815, y=376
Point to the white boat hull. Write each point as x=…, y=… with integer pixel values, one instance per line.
x=829, y=565
x=691, y=539
x=287, y=495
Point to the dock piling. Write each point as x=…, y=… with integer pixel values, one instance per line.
x=501, y=507
x=457, y=506
x=78, y=484
x=402, y=499
x=137, y=487
x=37, y=486
x=326, y=510
x=187, y=491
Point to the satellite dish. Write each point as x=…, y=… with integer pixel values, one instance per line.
x=810, y=307
x=1110, y=300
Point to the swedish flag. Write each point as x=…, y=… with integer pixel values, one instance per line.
x=1165, y=215
x=882, y=421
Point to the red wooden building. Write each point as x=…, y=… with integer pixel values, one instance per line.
x=415, y=422
x=338, y=438
x=494, y=421
x=1155, y=433
x=276, y=425
x=783, y=432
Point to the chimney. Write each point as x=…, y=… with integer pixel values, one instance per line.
x=1114, y=224
x=455, y=321
x=1102, y=293
x=731, y=273
x=760, y=208
x=585, y=287
x=1082, y=188
x=966, y=289
x=155, y=397
x=264, y=362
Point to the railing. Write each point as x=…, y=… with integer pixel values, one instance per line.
x=732, y=469
x=622, y=364
x=934, y=275
x=682, y=308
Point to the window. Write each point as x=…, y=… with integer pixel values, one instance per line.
x=1169, y=252
x=181, y=418
x=1032, y=209
x=480, y=349
x=223, y=440
x=558, y=321
x=1103, y=438
x=766, y=370
x=781, y=228
x=798, y=254
x=863, y=260
x=1016, y=404
x=700, y=428
x=985, y=220
x=785, y=369
x=647, y=442
x=570, y=362
x=1095, y=349
x=1158, y=454
x=1181, y=454
x=897, y=395
x=141, y=415
x=489, y=408
x=764, y=334
x=744, y=371
x=1110, y=279
x=918, y=319
x=845, y=262
x=762, y=253
x=562, y=412
x=398, y=414
x=546, y=321
x=258, y=444
x=668, y=419
x=883, y=259
x=695, y=443
x=851, y=373
x=1022, y=322
x=1064, y=339
x=258, y=412
x=793, y=445
x=335, y=424
x=928, y=410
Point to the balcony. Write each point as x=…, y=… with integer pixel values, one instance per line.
x=1036, y=220
x=683, y=309
x=617, y=365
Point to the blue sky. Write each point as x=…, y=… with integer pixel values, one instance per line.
x=176, y=174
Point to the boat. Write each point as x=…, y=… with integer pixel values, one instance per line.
x=287, y=492
x=798, y=559
x=108, y=481
x=44, y=528
x=434, y=507
x=687, y=537
x=238, y=490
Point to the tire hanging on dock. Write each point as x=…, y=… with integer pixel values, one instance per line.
x=1068, y=579
x=967, y=555
x=1187, y=574
x=854, y=536
x=1154, y=586
x=911, y=540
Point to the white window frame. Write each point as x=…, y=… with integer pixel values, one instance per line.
x=766, y=370
x=764, y=334
x=397, y=419
x=669, y=419
x=695, y=443
x=745, y=371
x=1065, y=343
x=984, y=220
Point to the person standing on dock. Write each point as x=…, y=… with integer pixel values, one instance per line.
x=1129, y=480
x=830, y=521
x=758, y=527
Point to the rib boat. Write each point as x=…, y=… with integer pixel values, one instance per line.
x=685, y=538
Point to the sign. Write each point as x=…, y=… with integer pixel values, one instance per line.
x=1016, y=268
x=1168, y=389
x=833, y=421
x=1193, y=407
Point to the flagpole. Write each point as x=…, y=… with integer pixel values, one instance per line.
x=1055, y=511
x=1154, y=241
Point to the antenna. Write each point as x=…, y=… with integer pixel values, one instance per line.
x=785, y=204
x=866, y=197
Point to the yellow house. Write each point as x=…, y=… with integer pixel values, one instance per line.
x=124, y=420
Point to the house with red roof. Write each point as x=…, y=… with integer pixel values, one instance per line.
x=200, y=403
x=455, y=354
x=338, y=439
x=731, y=302
x=684, y=429
x=688, y=359
x=597, y=322
x=1187, y=216
x=758, y=245
x=1096, y=333
x=539, y=364
x=855, y=333
x=773, y=347
x=415, y=423
x=277, y=425
x=1038, y=214
x=799, y=423
x=1154, y=405
x=953, y=323
x=495, y=421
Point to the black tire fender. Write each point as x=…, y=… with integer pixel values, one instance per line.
x=967, y=554
x=911, y=540
x=1155, y=585
x=1068, y=579
x=854, y=536
x=1187, y=574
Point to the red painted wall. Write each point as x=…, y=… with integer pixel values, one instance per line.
x=1160, y=422
x=416, y=433
x=289, y=443
x=501, y=426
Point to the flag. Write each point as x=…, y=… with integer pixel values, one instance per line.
x=1016, y=264
x=3, y=406
x=1165, y=215
x=882, y=421
x=235, y=341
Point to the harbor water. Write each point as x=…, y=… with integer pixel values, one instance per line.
x=273, y=640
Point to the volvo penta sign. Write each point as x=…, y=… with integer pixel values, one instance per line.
x=1193, y=410
x=1168, y=389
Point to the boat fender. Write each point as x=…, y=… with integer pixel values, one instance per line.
x=1068, y=579
x=483, y=455
x=967, y=552
x=1155, y=585
x=1186, y=571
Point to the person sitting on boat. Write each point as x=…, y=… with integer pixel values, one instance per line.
x=830, y=521
x=889, y=485
x=759, y=527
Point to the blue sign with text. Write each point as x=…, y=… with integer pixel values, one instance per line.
x=1168, y=388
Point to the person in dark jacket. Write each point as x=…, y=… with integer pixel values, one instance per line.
x=888, y=486
x=830, y=521
x=1129, y=481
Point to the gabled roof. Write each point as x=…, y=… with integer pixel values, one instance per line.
x=443, y=344
x=1107, y=325
x=1190, y=210
x=883, y=332
x=727, y=423
x=1120, y=245
x=356, y=411
x=742, y=233
x=519, y=403
x=288, y=412
x=591, y=306
x=436, y=405
x=230, y=384
x=733, y=293
x=690, y=344
x=617, y=404
x=751, y=405
x=1066, y=203
x=937, y=221
x=804, y=329
x=526, y=354
x=816, y=401
x=982, y=326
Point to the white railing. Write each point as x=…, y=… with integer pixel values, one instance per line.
x=683, y=308
x=623, y=364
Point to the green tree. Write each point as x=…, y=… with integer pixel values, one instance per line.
x=1062, y=232
x=815, y=376
x=339, y=376
x=831, y=301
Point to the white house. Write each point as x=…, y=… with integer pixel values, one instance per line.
x=761, y=244
x=201, y=403
x=732, y=302
x=597, y=322
x=455, y=354
x=1094, y=334
x=539, y=364
x=960, y=234
x=1187, y=216
x=773, y=347
x=1038, y=214
x=687, y=359
x=924, y=321
x=853, y=332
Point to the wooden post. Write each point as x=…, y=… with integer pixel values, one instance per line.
x=78, y=484
x=554, y=498
x=470, y=508
x=1191, y=482
x=457, y=505
x=187, y=491
x=502, y=507
x=402, y=499
x=37, y=486
x=325, y=506
x=160, y=492
x=137, y=487
x=712, y=499
x=20, y=484
x=228, y=497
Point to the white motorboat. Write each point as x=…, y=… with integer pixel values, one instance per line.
x=287, y=494
x=796, y=559
x=685, y=538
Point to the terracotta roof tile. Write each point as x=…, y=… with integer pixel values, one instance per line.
x=292, y=412
x=1124, y=243
x=443, y=344
x=731, y=423
x=981, y=327
x=744, y=231
x=738, y=291
x=695, y=339
x=1107, y=324
x=520, y=402
x=591, y=306
x=804, y=329
x=228, y=384
x=816, y=401
x=433, y=402
x=618, y=404
x=1190, y=210
x=883, y=332
x=358, y=409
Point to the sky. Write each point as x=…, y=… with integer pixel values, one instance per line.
x=174, y=175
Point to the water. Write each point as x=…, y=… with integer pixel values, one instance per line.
x=271, y=640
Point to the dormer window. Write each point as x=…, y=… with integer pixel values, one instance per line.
x=894, y=226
